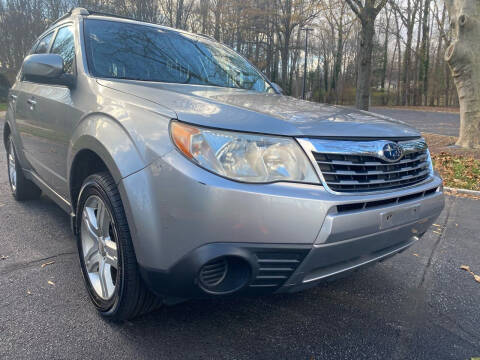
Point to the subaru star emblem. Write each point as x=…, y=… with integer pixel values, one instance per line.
x=392, y=152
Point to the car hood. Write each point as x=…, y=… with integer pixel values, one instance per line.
x=241, y=110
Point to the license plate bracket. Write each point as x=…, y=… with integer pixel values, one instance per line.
x=397, y=217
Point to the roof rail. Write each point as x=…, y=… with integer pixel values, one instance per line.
x=67, y=15
x=206, y=36
x=72, y=11
x=101, y=13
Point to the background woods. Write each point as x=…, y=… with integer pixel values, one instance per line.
x=408, y=44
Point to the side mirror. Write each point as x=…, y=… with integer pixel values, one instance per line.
x=47, y=69
x=277, y=88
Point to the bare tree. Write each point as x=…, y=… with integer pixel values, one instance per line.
x=462, y=56
x=366, y=12
x=425, y=52
x=292, y=14
x=409, y=39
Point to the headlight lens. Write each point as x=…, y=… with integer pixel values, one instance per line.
x=244, y=157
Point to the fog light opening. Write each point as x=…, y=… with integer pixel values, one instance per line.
x=224, y=275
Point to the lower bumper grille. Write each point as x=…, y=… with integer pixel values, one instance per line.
x=276, y=267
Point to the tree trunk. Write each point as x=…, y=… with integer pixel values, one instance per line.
x=425, y=52
x=217, y=14
x=416, y=79
x=338, y=57
x=462, y=56
x=367, y=14
x=406, y=67
x=365, y=65
x=385, y=59
x=399, y=64
x=285, y=51
x=204, y=7
x=178, y=21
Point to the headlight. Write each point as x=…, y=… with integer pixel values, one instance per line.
x=244, y=157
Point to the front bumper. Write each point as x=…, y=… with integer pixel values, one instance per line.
x=290, y=236
x=292, y=267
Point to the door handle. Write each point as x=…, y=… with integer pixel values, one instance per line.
x=13, y=97
x=32, y=102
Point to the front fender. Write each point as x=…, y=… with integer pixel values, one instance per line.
x=107, y=138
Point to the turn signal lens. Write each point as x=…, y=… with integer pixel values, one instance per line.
x=182, y=137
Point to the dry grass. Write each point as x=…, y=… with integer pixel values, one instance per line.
x=459, y=168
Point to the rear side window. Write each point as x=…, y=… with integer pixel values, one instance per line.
x=65, y=47
x=44, y=44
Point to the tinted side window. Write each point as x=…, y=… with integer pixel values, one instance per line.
x=44, y=44
x=65, y=47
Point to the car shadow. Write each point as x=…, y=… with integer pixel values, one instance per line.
x=285, y=322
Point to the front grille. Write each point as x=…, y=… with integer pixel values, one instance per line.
x=344, y=172
x=276, y=267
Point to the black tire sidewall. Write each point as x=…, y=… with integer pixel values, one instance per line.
x=10, y=141
x=93, y=186
x=25, y=189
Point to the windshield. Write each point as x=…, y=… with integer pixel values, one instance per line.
x=140, y=52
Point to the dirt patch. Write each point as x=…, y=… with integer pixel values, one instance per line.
x=446, y=144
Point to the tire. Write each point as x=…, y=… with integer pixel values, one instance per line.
x=129, y=297
x=22, y=188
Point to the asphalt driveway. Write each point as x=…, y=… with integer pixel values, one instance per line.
x=417, y=305
x=441, y=123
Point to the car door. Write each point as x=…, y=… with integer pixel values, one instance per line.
x=22, y=93
x=53, y=115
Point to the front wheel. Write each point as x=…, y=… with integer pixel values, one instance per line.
x=107, y=256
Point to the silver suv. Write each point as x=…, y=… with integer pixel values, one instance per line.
x=187, y=174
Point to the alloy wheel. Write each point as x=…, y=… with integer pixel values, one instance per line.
x=12, y=170
x=99, y=247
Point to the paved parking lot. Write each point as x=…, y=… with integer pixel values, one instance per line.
x=417, y=305
x=441, y=123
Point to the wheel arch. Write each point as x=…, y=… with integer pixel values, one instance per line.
x=100, y=143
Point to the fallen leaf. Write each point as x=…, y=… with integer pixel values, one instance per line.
x=51, y=282
x=437, y=232
x=48, y=263
x=477, y=278
x=29, y=293
x=437, y=225
x=415, y=254
x=465, y=267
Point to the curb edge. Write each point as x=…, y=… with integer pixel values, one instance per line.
x=462, y=191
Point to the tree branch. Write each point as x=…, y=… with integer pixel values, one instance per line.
x=356, y=7
x=399, y=12
x=450, y=6
x=380, y=6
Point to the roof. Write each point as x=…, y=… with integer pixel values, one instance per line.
x=84, y=12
